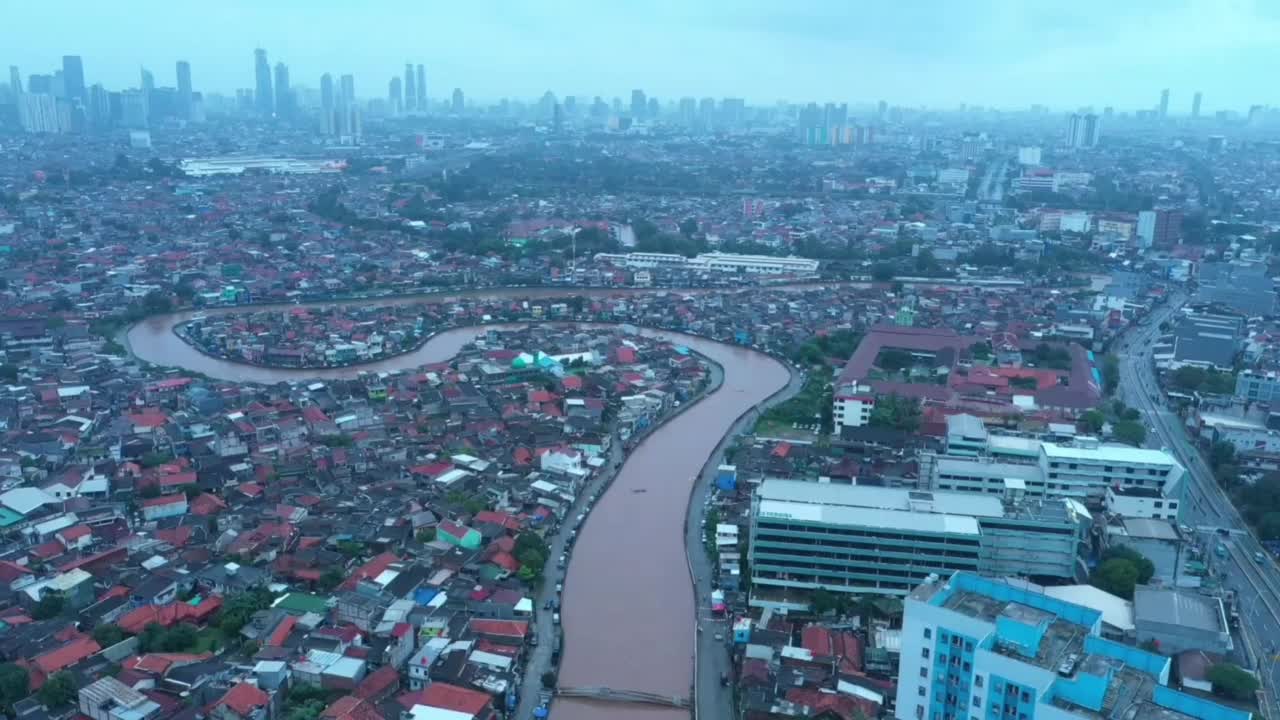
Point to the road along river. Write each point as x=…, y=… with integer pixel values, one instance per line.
x=628, y=606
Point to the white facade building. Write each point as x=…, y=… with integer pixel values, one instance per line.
x=715, y=262
x=852, y=407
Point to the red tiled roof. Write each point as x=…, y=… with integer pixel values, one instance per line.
x=515, y=629
x=136, y=620
x=243, y=698
x=206, y=504
x=349, y=707
x=378, y=683
x=372, y=569
x=458, y=699
x=67, y=655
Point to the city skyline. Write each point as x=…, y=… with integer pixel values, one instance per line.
x=823, y=52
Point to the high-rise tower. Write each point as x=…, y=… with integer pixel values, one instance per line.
x=263, y=98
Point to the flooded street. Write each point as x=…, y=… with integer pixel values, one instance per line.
x=628, y=606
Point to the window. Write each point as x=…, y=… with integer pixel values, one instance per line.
x=1159, y=504
x=1026, y=696
x=977, y=702
x=924, y=672
x=968, y=667
x=977, y=681
x=924, y=653
x=928, y=633
x=921, y=691
x=968, y=647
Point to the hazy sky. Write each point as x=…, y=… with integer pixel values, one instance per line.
x=936, y=52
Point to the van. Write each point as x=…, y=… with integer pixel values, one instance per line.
x=555, y=618
x=563, y=560
x=1259, y=558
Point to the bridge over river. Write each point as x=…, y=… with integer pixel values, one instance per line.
x=622, y=696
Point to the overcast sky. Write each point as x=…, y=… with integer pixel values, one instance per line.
x=940, y=53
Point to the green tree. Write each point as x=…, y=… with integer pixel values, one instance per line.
x=59, y=690
x=981, y=350
x=823, y=601
x=896, y=412
x=350, y=548
x=107, y=634
x=1146, y=568
x=331, y=578
x=1110, y=374
x=14, y=683
x=50, y=606
x=9, y=373
x=1188, y=378
x=882, y=272
x=1269, y=526
x=1221, y=453
x=1231, y=681
x=1131, y=432
x=156, y=302
x=1117, y=576
x=1092, y=421
x=426, y=535
x=894, y=360
x=549, y=679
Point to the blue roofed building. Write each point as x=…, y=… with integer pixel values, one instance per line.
x=979, y=649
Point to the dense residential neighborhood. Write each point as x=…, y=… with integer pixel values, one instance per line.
x=323, y=407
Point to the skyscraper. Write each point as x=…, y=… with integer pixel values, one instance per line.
x=73, y=77
x=146, y=80
x=15, y=80
x=284, y=95
x=263, y=100
x=422, y=88
x=1195, y=104
x=393, y=95
x=410, y=88
x=1164, y=103
x=459, y=101
x=1083, y=130
x=348, y=89
x=638, y=104
x=327, y=105
x=184, y=89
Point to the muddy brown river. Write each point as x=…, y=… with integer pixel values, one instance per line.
x=628, y=606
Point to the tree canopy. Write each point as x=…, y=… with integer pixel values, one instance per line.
x=1232, y=681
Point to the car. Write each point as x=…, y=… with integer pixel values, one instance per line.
x=724, y=679
x=555, y=618
x=533, y=640
x=547, y=605
x=1259, y=558
x=719, y=636
x=559, y=588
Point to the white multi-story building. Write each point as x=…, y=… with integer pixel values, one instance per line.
x=715, y=262
x=974, y=648
x=852, y=407
x=876, y=540
x=1082, y=470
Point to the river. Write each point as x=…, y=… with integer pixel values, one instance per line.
x=628, y=605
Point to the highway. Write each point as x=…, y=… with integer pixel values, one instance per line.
x=1207, y=507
